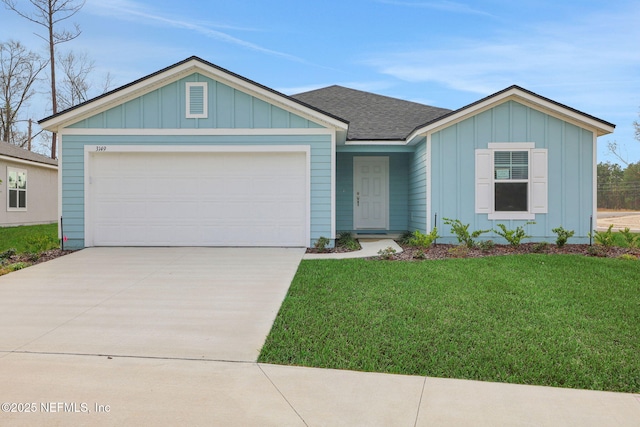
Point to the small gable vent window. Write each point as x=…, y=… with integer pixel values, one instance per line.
x=197, y=101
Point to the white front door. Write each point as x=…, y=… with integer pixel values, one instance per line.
x=371, y=193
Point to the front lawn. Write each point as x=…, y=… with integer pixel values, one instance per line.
x=25, y=238
x=555, y=320
x=23, y=246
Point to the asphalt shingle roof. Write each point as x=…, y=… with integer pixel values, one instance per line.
x=371, y=116
x=16, y=152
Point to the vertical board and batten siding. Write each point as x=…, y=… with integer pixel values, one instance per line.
x=165, y=108
x=570, y=170
x=418, y=188
x=398, y=190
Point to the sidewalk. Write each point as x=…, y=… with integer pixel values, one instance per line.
x=144, y=391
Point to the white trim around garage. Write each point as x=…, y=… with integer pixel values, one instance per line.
x=96, y=150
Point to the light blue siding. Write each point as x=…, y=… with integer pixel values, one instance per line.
x=570, y=169
x=398, y=190
x=165, y=108
x=418, y=188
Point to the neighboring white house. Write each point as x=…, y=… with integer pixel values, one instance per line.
x=29, y=187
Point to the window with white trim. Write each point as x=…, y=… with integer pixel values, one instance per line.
x=511, y=181
x=17, y=189
x=196, y=97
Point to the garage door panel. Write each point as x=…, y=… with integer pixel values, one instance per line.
x=199, y=199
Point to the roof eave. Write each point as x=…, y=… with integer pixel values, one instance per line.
x=600, y=127
x=173, y=73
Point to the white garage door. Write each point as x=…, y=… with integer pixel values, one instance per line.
x=197, y=199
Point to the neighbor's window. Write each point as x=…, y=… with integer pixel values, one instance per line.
x=511, y=181
x=17, y=186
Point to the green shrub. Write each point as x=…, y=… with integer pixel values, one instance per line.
x=387, y=253
x=540, y=247
x=632, y=239
x=460, y=251
x=604, y=238
x=321, y=243
x=8, y=253
x=563, y=236
x=421, y=240
x=346, y=240
x=17, y=266
x=486, y=245
x=514, y=237
x=419, y=254
x=628, y=257
x=405, y=238
x=41, y=243
x=462, y=232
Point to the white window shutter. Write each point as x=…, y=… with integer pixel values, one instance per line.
x=484, y=175
x=539, y=181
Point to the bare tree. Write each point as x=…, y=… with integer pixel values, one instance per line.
x=19, y=69
x=636, y=125
x=75, y=86
x=48, y=14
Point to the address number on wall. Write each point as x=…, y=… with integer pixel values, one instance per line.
x=101, y=148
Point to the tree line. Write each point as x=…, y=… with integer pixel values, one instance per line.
x=618, y=187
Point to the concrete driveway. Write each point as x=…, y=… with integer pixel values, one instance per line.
x=187, y=303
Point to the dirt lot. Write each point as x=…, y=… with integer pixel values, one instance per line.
x=619, y=222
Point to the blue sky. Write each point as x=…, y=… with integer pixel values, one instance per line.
x=448, y=54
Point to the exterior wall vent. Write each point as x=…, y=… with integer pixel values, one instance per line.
x=197, y=101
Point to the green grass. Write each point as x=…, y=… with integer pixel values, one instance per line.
x=29, y=238
x=555, y=320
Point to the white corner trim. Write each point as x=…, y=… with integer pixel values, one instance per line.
x=429, y=178
x=333, y=185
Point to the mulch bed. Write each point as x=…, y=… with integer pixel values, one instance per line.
x=44, y=256
x=443, y=251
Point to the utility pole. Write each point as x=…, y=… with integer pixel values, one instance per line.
x=29, y=135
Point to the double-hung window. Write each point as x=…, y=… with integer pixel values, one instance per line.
x=17, y=189
x=511, y=181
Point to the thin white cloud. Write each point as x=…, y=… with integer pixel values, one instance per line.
x=445, y=6
x=130, y=10
x=597, y=53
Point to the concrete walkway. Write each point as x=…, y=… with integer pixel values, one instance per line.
x=163, y=336
x=370, y=248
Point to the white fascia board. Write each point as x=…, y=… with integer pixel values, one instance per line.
x=521, y=97
x=116, y=98
x=28, y=162
x=176, y=73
